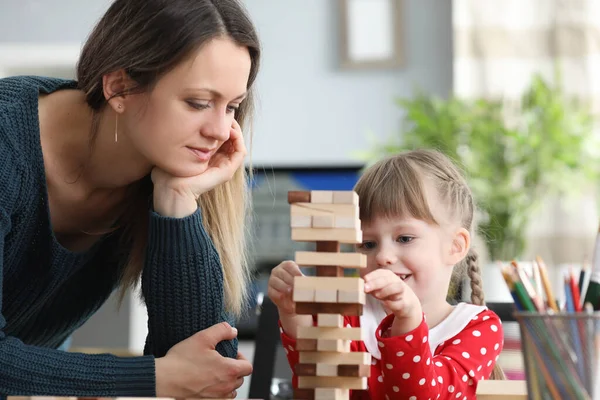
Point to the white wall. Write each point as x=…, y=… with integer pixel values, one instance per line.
x=310, y=111
x=41, y=21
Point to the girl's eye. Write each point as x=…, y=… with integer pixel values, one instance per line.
x=405, y=239
x=232, y=108
x=367, y=246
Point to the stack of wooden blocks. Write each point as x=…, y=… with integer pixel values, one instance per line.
x=327, y=369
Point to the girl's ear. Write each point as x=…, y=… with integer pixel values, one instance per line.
x=461, y=242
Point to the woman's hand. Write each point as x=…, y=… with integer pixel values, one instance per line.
x=396, y=297
x=194, y=369
x=177, y=197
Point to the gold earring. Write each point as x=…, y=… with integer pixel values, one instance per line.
x=119, y=106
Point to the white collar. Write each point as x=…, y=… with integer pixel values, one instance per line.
x=452, y=325
x=373, y=314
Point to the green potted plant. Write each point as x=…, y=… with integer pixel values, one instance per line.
x=514, y=156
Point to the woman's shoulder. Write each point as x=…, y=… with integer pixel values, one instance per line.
x=19, y=98
x=19, y=121
x=15, y=88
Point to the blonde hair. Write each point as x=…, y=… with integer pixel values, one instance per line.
x=396, y=186
x=225, y=217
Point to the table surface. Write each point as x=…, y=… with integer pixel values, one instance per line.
x=486, y=390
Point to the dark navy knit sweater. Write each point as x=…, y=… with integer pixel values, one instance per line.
x=47, y=291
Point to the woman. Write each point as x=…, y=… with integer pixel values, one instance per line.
x=133, y=170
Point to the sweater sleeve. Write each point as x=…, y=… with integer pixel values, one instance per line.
x=412, y=372
x=182, y=284
x=31, y=370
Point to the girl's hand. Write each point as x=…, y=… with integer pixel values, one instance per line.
x=396, y=297
x=281, y=292
x=177, y=197
x=281, y=286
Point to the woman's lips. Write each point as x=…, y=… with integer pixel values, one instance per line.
x=201, y=154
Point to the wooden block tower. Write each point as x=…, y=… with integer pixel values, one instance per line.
x=327, y=369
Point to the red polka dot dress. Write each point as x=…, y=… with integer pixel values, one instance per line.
x=445, y=362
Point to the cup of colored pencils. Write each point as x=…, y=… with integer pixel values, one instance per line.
x=560, y=342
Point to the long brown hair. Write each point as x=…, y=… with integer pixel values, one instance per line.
x=147, y=39
x=402, y=176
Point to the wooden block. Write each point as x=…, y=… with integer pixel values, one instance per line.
x=321, y=196
x=306, y=345
x=312, y=209
x=345, y=296
x=346, y=222
x=321, y=221
x=304, y=394
x=350, y=283
x=329, y=308
x=326, y=296
x=502, y=390
x=330, y=271
x=306, y=369
x=318, y=332
x=352, y=370
x=342, y=382
x=327, y=370
x=348, y=260
x=303, y=295
x=331, y=394
x=339, y=345
x=345, y=197
x=298, y=196
x=328, y=246
x=352, y=358
x=330, y=320
x=329, y=234
x=301, y=221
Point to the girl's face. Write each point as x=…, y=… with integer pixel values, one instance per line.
x=188, y=115
x=422, y=254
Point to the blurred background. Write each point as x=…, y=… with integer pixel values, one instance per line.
x=510, y=89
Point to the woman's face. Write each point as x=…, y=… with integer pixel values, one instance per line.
x=188, y=115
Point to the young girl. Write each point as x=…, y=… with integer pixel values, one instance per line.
x=417, y=214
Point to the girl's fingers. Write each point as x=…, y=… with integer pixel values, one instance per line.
x=375, y=283
x=292, y=269
x=392, y=289
x=279, y=285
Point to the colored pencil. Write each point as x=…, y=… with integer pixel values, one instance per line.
x=592, y=294
x=583, y=280
x=559, y=346
x=537, y=300
x=551, y=301
x=575, y=291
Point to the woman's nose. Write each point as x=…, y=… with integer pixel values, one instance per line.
x=218, y=127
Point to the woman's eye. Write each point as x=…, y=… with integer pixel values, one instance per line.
x=232, y=108
x=405, y=239
x=198, y=106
